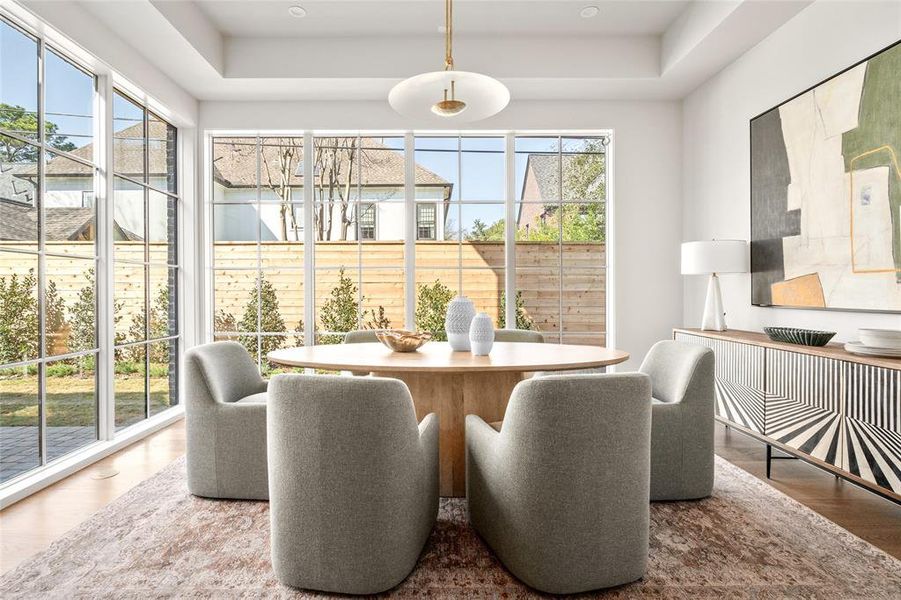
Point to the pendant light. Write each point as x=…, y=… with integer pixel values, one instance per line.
x=451, y=95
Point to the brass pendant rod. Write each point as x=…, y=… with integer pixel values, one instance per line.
x=448, y=35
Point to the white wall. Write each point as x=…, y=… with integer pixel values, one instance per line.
x=820, y=41
x=647, y=184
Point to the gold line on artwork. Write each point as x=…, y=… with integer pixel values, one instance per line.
x=894, y=162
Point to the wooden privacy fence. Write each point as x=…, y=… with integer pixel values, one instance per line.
x=571, y=298
x=560, y=291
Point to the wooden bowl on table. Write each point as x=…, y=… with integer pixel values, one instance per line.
x=402, y=340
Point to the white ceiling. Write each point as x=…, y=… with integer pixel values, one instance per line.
x=358, y=49
x=261, y=18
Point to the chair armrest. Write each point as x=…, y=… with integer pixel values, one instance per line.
x=251, y=414
x=428, y=444
x=428, y=429
x=480, y=437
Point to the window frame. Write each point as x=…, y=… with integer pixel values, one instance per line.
x=509, y=202
x=368, y=220
x=99, y=198
x=433, y=227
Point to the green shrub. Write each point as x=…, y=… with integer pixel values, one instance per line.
x=341, y=312
x=270, y=316
x=225, y=321
x=55, y=324
x=431, y=308
x=61, y=369
x=127, y=367
x=83, y=317
x=523, y=320
x=18, y=317
x=160, y=370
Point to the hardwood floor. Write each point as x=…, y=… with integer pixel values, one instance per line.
x=29, y=526
x=863, y=513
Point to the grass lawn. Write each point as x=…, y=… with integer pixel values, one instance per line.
x=71, y=400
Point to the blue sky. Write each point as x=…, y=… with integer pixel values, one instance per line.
x=68, y=90
x=478, y=174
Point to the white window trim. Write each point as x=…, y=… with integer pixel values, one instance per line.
x=109, y=440
x=206, y=318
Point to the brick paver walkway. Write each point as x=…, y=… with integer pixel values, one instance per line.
x=19, y=446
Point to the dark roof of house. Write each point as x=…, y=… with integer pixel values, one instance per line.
x=235, y=164
x=19, y=222
x=545, y=168
x=128, y=157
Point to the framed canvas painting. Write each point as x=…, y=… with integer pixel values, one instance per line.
x=826, y=193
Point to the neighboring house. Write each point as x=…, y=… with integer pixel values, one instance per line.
x=69, y=206
x=541, y=185
x=542, y=189
x=18, y=223
x=380, y=212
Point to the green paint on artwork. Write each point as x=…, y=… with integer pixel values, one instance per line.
x=880, y=125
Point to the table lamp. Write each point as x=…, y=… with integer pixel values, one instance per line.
x=714, y=257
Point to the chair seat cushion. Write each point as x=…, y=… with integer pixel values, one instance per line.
x=253, y=398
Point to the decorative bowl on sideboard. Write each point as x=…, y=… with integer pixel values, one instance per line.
x=803, y=337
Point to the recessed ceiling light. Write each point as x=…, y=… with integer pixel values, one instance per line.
x=297, y=11
x=589, y=11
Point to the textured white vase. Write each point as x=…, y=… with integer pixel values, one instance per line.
x=481, y=334
x=460, y=312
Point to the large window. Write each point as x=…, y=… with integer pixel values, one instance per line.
x=467, y=254
x=560, y=237
x=258, y=252
x=53, y=230
x=382, y=259
x=145, y=273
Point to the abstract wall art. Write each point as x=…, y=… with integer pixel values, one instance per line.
x=826, y=193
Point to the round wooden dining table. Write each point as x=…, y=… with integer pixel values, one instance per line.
x=452, y=384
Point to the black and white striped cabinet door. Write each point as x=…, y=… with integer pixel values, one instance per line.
x=804, y=403
x=872, y=426
x=739, y=380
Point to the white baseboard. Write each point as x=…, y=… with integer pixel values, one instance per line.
x=18, y=489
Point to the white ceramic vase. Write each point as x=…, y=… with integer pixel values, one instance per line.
x=481, y=334
x=460, y=312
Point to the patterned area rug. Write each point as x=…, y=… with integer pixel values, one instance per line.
x=747, y=541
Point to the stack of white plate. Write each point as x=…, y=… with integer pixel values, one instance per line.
x=877, y=342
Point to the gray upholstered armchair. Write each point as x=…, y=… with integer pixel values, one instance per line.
x=361, y=336
x=225, y=408
x=561, y=492
x=682, y=376
x=353, y=482
x=518, y=335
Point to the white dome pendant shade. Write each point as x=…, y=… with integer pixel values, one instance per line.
x=458, y=96
x=416, y=97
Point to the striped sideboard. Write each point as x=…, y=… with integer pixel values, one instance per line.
x=839, y=411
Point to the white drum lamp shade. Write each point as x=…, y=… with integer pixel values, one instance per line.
x=717, y=256
x=711, y=258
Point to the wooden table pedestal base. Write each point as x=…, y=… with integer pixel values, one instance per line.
x=453, y=396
